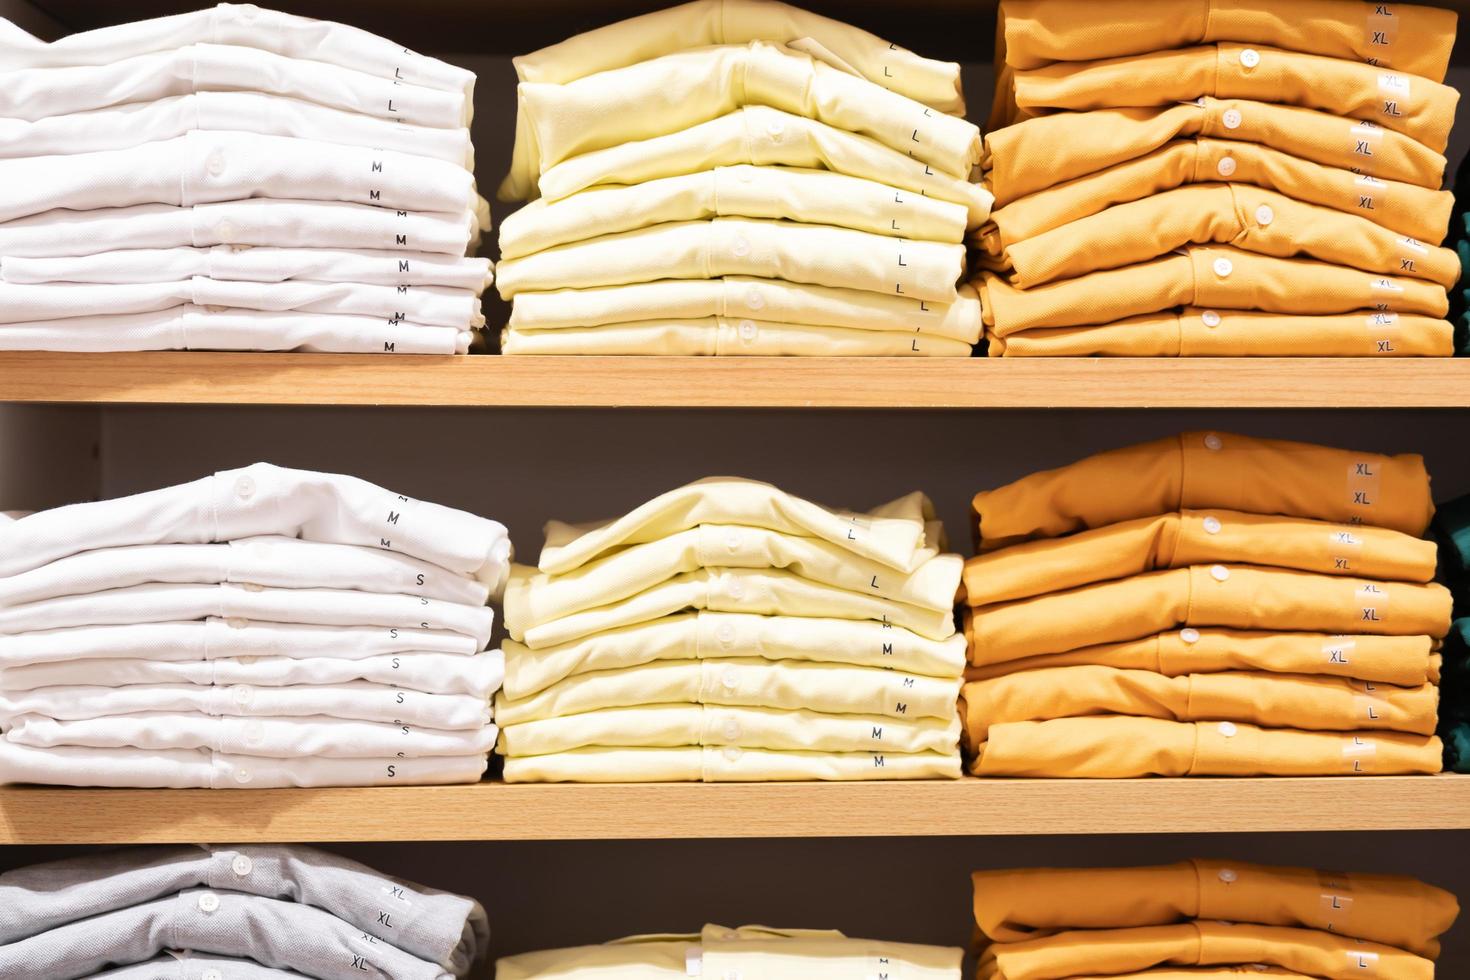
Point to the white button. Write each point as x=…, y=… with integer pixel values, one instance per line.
x=755, y=300
x=208, y=902
x=726, y=634
x=242, y=865
x=211, y=974
x=1223, y=268
x=747, y=330
x=242, y=693
x=733, y=540
x=730, y=679
x=745, y=174
x=216, y=164
x=741, y=247
x=1264, y=215
x=1231, y=119
x=730, y=975
x=1228, y=729
x=1250, y=57
x=1189, y=634
x=254, y=732
x=235, y=623
x=243, y=776
x=776, y=126
x=1226, y=875
x=1226, y=166
x=732, y=729
x=1213, y=443
x=1210, y=318
x=244, y=488
x=225, y=231
x=1212, y=525
x=247, y=11
x=736, y=589
x=1219, y=573
x=732, y=752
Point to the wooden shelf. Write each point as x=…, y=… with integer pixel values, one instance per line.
x=693, y=382
x=969, y=807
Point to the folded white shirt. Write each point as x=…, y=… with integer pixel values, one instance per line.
x=321, y=607
x=210, y=167
x=261, y=221
x=123, y=126
x=35, y=93
x=272, y=560
x=265, y=499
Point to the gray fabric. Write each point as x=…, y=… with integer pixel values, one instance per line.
x=447, y=930
x=192, y=966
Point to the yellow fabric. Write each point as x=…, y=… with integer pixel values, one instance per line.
x=1195, y=973
x=809, y=196
x=1396, y=910
x=723, y=337
x=1232, y=333
x=707, y=635
x=762, y=136
x=1198, y=470
x=1042, y=152
x=675, y=725
x=817, y=254
x=1214, y=277
x=738, y=297
x=729, y=764
x=1193, y=537
x=1409, y=38
x=1416, y=107
x=1407, y=209
x=1235, y=596
x=1407, y=661
x=1241, y=215
x=1312, y=703
x=533, y=597
x=1113, y=951
x=1120, y=746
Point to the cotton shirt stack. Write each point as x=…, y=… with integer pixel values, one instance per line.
x=749, y=953
x=258, y=628
x=739, y=177
x=1207, y=604
x=727, y=631
x=236, y=179
x=231, y=913
x=1207, y=919
x=1219, y=178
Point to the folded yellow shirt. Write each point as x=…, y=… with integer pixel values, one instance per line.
x=1235, y=596
x=1303, y=701
x=724, y=337
x=676, y=725
x=1240, y=215
x=817, y=254
x=1398, y=35
x=1194, y=537
x=1039, y=153
x=714, y=636
x=1215, y=277
x=1193, y=332
x=1407, y=661
x=1417, y=107
x=739, y=297
x=533, y=597
x=1196, y=973
x=817, y=197
x=762, y=136
x=1396, y=910
x=750, y=952
x=1408, y=209
x=1199, y=470
x=1121, y=747
x=893, y=534
x=789, y=684
x=1312, y=952
x=729, y=764
x=688, y=87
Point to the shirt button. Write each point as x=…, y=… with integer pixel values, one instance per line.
x=208, y=902
x=776, y=126
x=725, y=634
x=732, y=730
x=730, y=975
x=737, y=589
x=1264, y=215
x=747, y=330
x=235, y=623
x=732, y=753
x=1226, y=166
x=1213, y=443
x=1250, y=57
x=243, y=776
x=733, y=540
x=1223, y=268
x=242, y=865
x=244, y=488
x=741, y=247
x=216, y=164
x=746, y=175
x=242, y=693
x=1219, y=573
x=1231, y=119
x=254, y=732
x=226, y=231
x=1189, y=634
x=730, y=679
x=1227, y=875
x=1212, y=525
x=1228, y=729
x=1210, y=318
x=754, y=299
x=211, y=974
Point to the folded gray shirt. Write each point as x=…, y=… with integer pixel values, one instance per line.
x=192, y=966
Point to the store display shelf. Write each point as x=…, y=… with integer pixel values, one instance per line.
x=693, y=382
x=969, y=807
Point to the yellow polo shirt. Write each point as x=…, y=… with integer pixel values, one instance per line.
x=727, y=764
x=726, y=337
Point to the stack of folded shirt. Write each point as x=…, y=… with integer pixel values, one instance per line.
x=739, y=177
x=1452, y=531
x=1207, y=604
x=727, y=631
x=1207, y=919
x=236, y=179
x=752, y=952
x=231, y=913
x=1201, y=177
x=261, y=627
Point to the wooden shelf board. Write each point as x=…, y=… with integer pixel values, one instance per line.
x=969, y=807
x=692, y=382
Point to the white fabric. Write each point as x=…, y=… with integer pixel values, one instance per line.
x=721, y=337
x=261, y=221
x=271, y=560
x=219, y=328
x=34, y=93
x=120, y=127
x=202, y=769
x=210, y=167
x=322, y=607
x=234, y=263
x=283, y=738
x=715, y=764
x=741, y=297
x=265, y=499
x=424, y=305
